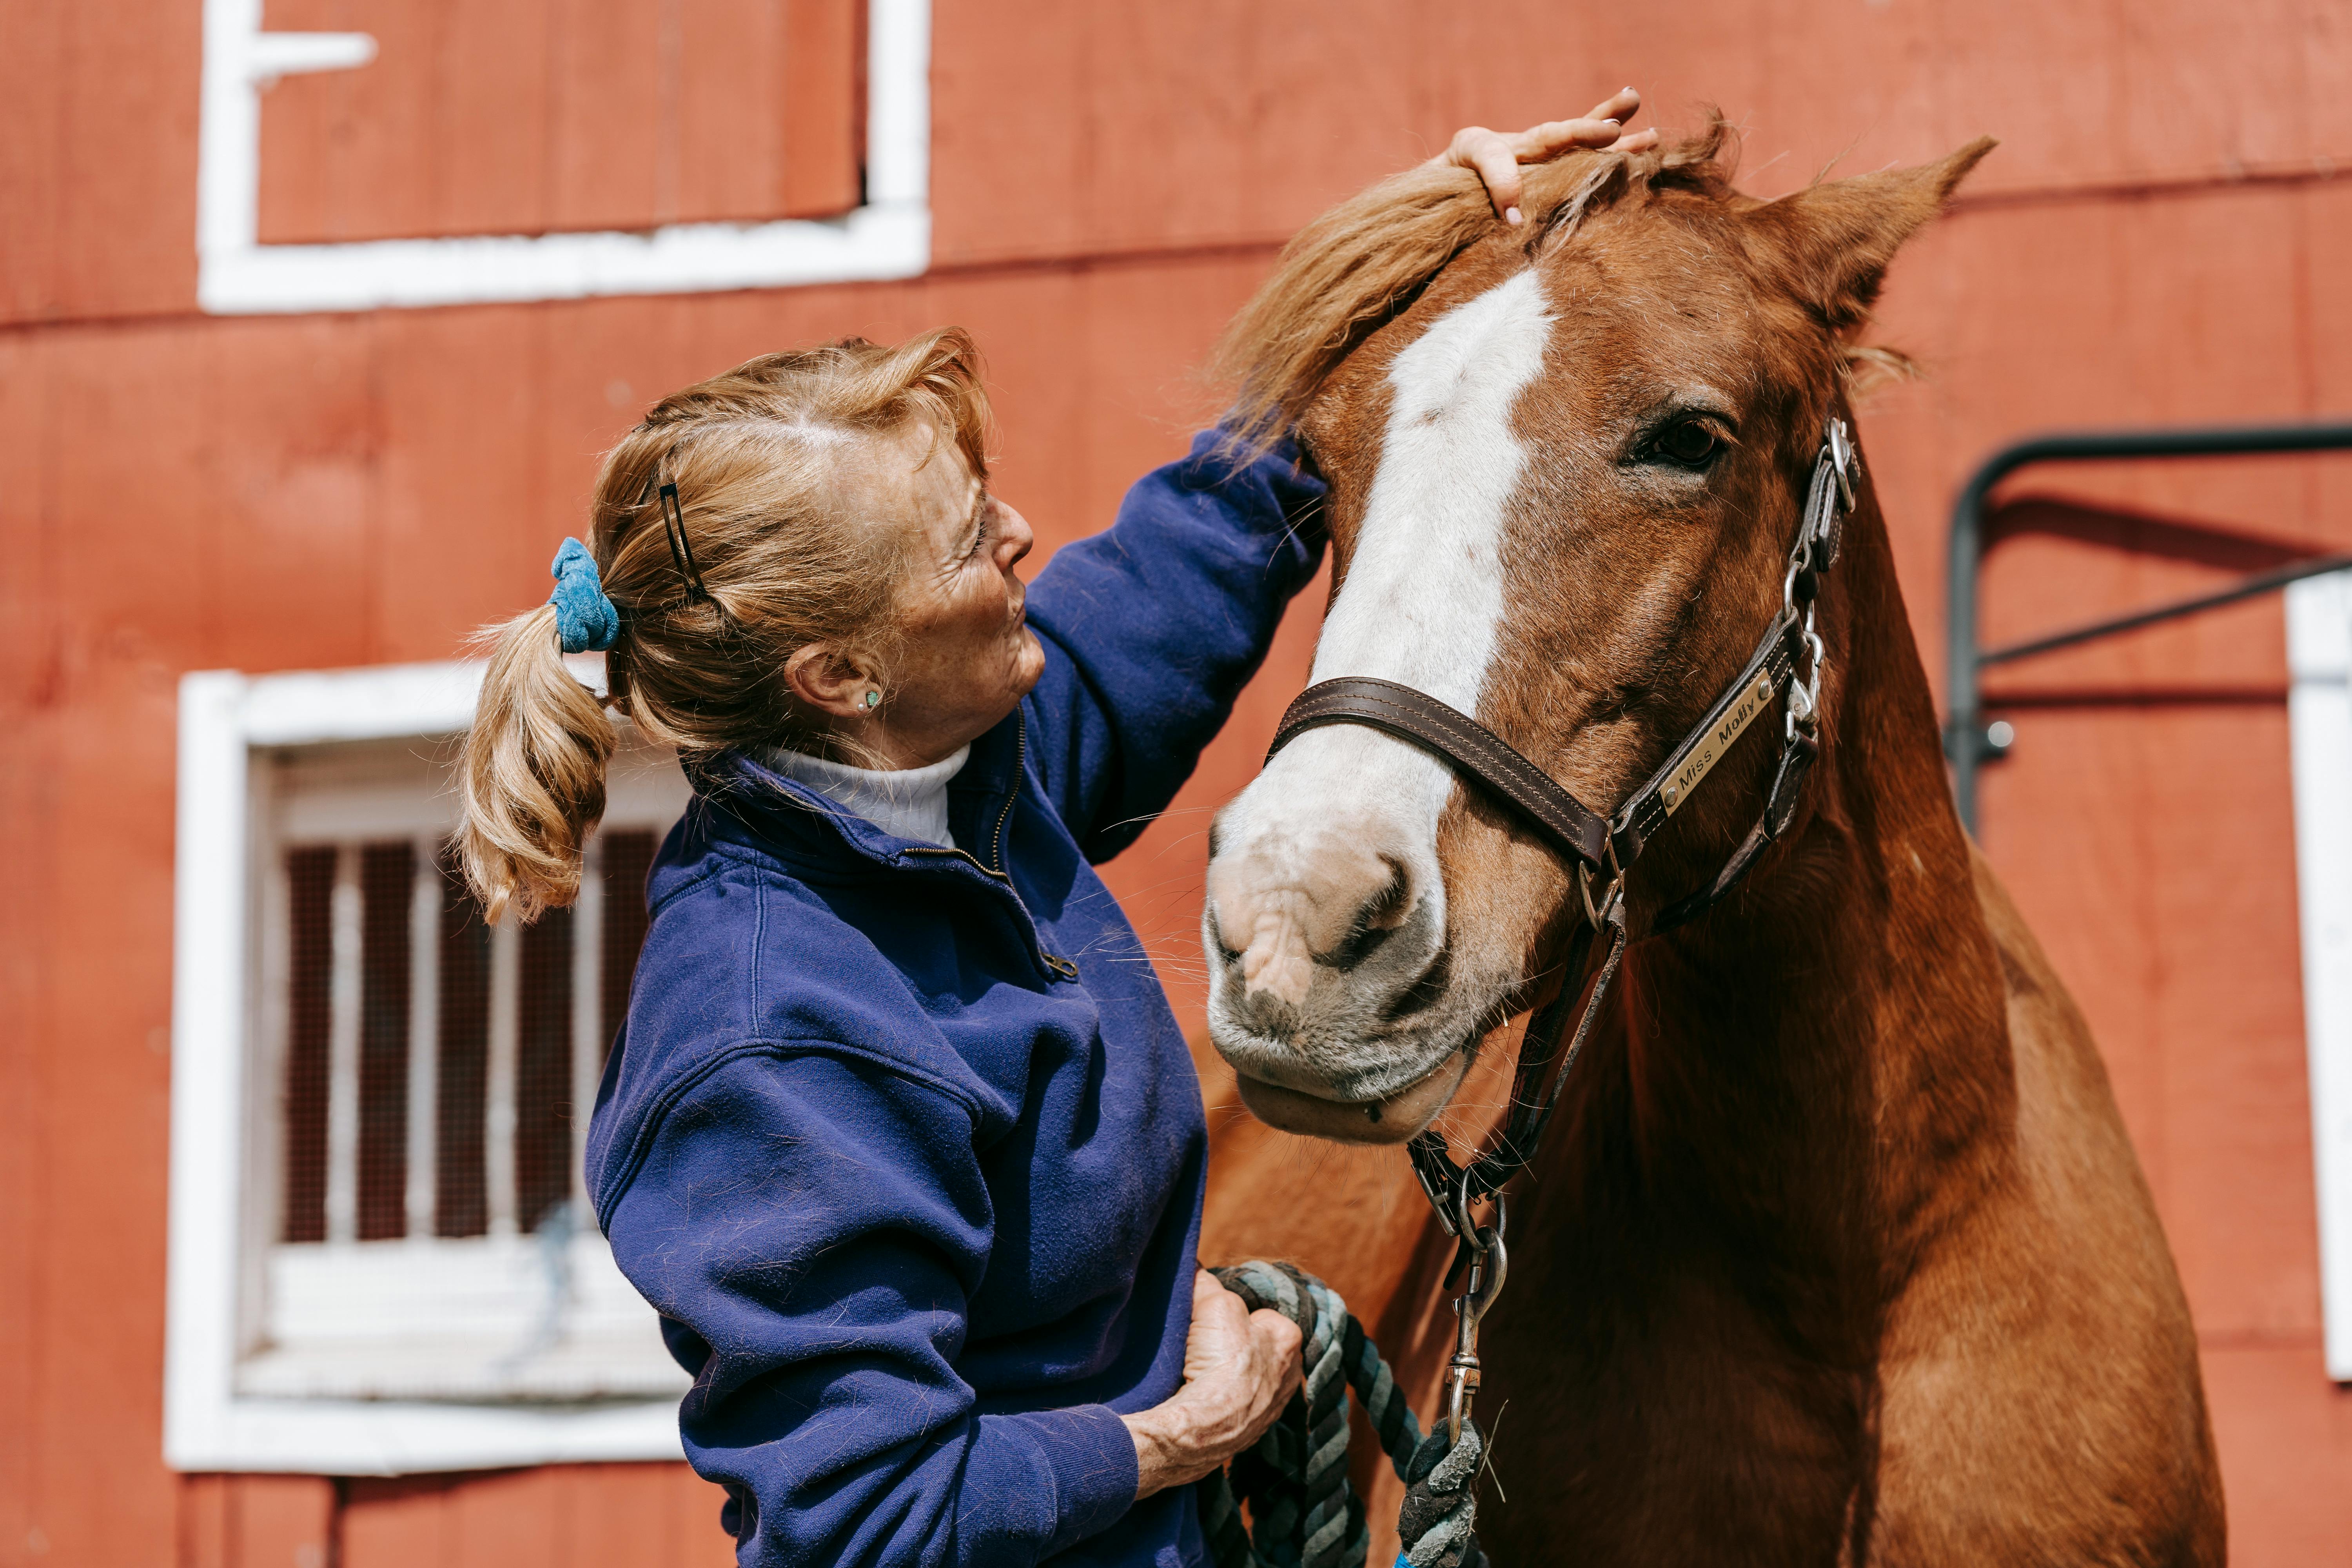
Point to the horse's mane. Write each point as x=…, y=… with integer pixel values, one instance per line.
x=1367, y=260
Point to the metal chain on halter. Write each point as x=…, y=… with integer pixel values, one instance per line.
x=1303, y=1513
x=1828, y=499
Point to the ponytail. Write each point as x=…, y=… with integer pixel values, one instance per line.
x=532, y=772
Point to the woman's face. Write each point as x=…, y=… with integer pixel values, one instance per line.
x=966, y=655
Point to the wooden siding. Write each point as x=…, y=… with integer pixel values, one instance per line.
x=2158, y=239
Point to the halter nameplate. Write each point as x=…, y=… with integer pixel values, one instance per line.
x=1714, y=742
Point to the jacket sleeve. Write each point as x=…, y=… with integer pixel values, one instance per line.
x=810, y=1224
x=1153, y=627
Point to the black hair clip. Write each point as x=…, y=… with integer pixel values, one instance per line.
x=681, y=552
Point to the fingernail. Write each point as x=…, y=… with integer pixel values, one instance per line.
x=1624, y=89
x=1510, y=215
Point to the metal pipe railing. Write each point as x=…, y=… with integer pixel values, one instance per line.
x=1966, y=740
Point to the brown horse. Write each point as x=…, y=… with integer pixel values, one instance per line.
x=1836, y=1250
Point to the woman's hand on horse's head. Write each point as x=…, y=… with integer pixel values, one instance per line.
x=1496, y=156
x=1240, y=1369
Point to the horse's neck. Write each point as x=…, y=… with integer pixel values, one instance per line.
x=1830, y=1043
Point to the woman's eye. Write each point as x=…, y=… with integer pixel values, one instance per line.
x=1689, y=442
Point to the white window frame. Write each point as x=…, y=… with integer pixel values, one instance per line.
x=889, y=237
x=208, y=1425
x=2319, y=712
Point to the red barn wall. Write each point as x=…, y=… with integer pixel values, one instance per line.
x=2159, y=238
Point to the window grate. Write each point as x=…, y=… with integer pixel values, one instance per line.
x=389, y=960
x=428, y=1077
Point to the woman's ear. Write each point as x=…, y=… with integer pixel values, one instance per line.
x=833, y=681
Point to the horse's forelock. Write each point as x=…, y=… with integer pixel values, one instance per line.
x=1365, y=261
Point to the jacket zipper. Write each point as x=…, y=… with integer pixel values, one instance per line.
x=1054, y=963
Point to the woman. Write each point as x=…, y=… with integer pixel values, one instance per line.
x=901, y=1136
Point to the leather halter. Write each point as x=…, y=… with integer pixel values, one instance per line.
x=1607, y=847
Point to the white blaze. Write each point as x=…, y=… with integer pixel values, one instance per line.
x=1421, y=606
x=1424, y=589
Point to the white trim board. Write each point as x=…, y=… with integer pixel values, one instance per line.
x=889, y=237
x=207, y=1424
x=2319, y=710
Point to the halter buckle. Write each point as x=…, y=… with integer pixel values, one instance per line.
x=1443, y=1183
x=1844, y=460
x=1804, y=707
x=1490, y=1265
x=1598, y=914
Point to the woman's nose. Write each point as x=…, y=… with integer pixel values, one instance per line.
x=1013, y=537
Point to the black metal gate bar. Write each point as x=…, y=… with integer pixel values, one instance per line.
x=1965, y=739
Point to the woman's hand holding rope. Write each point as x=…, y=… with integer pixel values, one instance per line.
x=1240, y=1369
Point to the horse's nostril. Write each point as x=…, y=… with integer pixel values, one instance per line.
x=1379, y=918
x=1289, y=911
x=1425, y=992
x=1216, y=933
x=1358, y=945
x=1388, y=907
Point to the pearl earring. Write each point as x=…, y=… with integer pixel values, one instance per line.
x=873, y=701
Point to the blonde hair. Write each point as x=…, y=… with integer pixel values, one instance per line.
x=754, y=455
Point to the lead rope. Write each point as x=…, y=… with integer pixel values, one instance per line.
x=1304, y=1514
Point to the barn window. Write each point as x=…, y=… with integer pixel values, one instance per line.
x=461, y=154
x=382, y=1254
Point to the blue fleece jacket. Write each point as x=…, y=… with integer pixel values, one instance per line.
x=902, y=1142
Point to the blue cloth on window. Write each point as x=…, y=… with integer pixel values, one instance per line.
x=902, y=1140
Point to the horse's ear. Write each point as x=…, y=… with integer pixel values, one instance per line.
x=1840, y=236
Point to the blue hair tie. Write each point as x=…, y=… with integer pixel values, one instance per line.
x=585, y=621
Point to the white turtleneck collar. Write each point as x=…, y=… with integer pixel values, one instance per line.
x=906, y=803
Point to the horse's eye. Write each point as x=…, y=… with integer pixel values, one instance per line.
x=1690, y=442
